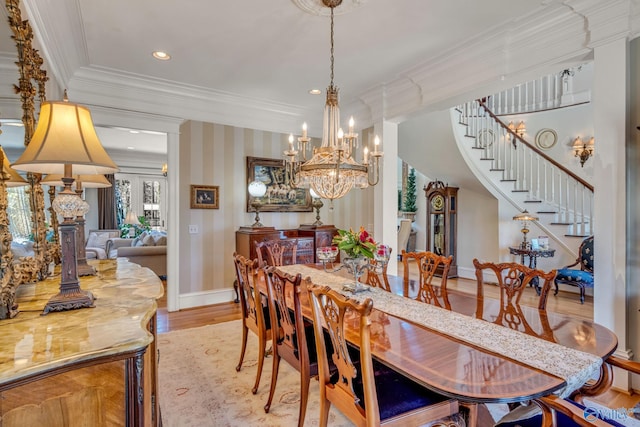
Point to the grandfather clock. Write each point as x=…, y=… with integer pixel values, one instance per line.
x=442, y=222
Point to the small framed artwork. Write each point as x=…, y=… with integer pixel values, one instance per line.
x=281, y=196
x=204, y=197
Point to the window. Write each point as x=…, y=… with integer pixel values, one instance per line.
x=144, y=195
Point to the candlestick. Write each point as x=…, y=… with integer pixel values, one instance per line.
x=366, y=154
x=304, y=129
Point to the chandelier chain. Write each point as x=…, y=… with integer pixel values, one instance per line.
x=331, y=84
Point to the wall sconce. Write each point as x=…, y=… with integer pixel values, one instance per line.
x=165, y=169
x=317, y=205
x=525, y=217
x=582, y=149
x=257, y=190
x=518, y=130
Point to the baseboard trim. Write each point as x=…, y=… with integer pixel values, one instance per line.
x=199, y=299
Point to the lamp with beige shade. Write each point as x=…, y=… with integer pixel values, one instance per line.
x=65, y=142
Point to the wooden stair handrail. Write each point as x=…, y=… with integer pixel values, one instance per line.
x=535, y=149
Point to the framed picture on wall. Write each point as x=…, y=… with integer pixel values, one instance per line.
x=281, y=196
x=204, y=197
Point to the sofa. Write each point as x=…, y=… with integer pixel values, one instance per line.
x=149, y=249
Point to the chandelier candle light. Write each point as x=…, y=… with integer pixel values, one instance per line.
x=65, y=141
x=332, y=171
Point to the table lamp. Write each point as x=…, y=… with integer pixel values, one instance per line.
x=257, y=189
x=525, y=217
x=81, y=182
x=132, y=220
x=65, y=142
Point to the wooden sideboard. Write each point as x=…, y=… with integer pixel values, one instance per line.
x=310, y=237
x=93, y=366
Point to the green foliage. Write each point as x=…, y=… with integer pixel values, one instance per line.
x=410, y=196
x=139, y=228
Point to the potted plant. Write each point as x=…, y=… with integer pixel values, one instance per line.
x=409, y=207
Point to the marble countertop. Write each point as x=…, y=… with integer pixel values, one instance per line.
x=125, y=302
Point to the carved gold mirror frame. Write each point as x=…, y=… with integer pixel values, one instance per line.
x=31, y=83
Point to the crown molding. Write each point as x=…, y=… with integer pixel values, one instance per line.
x=114, y=89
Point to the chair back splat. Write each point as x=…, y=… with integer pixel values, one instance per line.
x=292, y=335
x=513, y=279
x=364, y=390
x=255, y=316
x=277, y=252
x=379, y=280
x=428, y=264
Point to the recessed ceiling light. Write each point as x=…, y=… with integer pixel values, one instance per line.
x=134, y=131
x=315, y=91
x=162, y=56
x=130, y=148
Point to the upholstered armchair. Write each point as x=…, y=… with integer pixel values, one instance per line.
x=582, y=276
x=96, y=245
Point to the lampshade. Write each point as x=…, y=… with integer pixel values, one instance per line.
x=65, y=135
x=525, y=216
x=257, y=189
x=132, y=218
x=12, y=178
x=87, y=181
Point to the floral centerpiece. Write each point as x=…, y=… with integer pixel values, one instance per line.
x=355, y=244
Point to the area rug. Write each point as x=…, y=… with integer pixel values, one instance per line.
x=199, y=385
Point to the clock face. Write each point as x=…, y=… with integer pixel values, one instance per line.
x=437, y=202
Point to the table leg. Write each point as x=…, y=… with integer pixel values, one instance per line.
x=472, y=414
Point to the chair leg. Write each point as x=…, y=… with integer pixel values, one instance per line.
x=325, y=405
x=304, y=397
x=581, y=294
x=274, y=379
x=245, y=330
x=262, y=343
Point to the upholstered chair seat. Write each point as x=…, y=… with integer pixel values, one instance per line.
x=582, y=277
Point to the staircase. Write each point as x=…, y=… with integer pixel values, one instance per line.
x=519, y=173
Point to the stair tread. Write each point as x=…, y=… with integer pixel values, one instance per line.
x=486, y=158
x=494, y=170
x=577, y=235
x=507, y=180
x=519, y=191
x=547, y=212
x=568, y=223
x=533, y=201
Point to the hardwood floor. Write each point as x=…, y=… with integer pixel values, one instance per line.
x=565, y=302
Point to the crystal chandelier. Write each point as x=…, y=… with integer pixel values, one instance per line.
x=332, y=171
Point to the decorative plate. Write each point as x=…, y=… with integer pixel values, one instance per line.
x=546, y=138
x=485, y=138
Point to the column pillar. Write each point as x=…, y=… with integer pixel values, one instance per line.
x=610, y=92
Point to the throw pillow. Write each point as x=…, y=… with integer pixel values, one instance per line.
x=148, y=241
x=98, y=239
x=138, y=240
x=161, y=241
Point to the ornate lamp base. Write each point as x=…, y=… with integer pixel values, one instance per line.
x=85, y=269
x=69, y=299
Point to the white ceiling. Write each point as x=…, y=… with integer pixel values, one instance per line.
x=252, y=62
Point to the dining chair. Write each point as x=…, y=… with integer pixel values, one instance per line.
x=291, y=334
x=513, y=278
x=428, y=264
x=364, y=390
x=255, y=316
x=379, y=278
x=277, y=252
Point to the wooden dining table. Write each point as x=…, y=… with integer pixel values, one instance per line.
x=460, y=370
